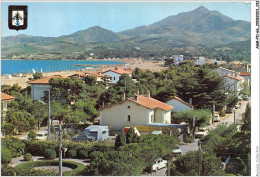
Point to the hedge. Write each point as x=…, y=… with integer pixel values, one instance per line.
x=27, y=168
x=50, y=154
x=14, y=145
x=83, y=154
x=72, y=153
x=6, y=156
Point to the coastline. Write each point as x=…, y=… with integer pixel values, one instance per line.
x=132, y=63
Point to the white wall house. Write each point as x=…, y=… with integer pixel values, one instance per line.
x=114, y=74
x=200, y=61
x=5, y=99
x=179, y=104
x=135, y=111
x=177, y=59
x=233, y=83
x=39, y=86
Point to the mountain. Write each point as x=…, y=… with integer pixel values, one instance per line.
x=199, y=28
x=91, y=35
x=219, y=28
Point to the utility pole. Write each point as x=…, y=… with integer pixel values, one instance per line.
x=213, y=112
x=193, y=128
x=234, y=116
x=60, y=149
x=49, y=112
x=200, y=158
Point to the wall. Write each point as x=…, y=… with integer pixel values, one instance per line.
x=38, y=90
x=178, y=106
x=223, y=72
x=114, y=76
x=117, y=115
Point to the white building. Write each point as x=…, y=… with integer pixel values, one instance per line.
x=114, y=74
x=179, y=104
x=223, y=71
x=5, y=99
x=200, y=61
x=177, y=59
x=39, y=86
x=234, y=83
x=136, y=111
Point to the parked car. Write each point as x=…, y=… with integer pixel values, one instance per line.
x=201, y=132
x=41, y=136
x=159, y=164
x=216, y=118
x=245, y=97
x=177, y=151
x=83, y=137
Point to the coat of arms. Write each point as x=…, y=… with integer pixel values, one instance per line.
x=17, y=17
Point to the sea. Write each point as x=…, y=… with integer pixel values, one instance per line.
x=30, y=66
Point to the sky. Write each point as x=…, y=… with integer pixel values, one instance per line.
x=52, y=19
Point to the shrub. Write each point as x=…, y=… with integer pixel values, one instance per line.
x=188, y=139
x=50, y=154
x=6, y=156
x=32, y=135
x=83, y=154
x=27, y=157
x=16, y=146
x=94, y=154
x=222, y=113
x=26, y=169
x=7, y=170
x=72, y=153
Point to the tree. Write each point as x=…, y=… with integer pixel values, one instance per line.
x=18, y=120
x=7, y=129
x=37, y=75
x=132, y=137
x=188, y=165
x=120, y=141
x=40, y=112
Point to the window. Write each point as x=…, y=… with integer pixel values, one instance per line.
x=129, y=118
x=114, y=78
x=128, y=107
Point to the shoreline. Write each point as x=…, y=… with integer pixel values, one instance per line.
x=132, y=63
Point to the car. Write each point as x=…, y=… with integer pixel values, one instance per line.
x=201, y=132
x=216, y=118
x=239, y=98
x=177, y=151
x=83, y=137
x=159, y=164
x=245, y=98
x=40, y=136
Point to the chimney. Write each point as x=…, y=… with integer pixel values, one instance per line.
x=148, y=94
x=190, y=101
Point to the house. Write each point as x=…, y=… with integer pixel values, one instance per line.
x=200, y=61
x=138, y=110
x=177, y=59
x=79, y=75
x=223, y=71
x=115, y=74
x=233, y=83
x=247, y=76
x=5, y=99
x=97, y=75
x=179, y=104
x=100, y=133
x=39, y=86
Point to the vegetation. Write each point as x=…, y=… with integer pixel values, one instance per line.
x=32, y=135
x=6, y=156
x=50, y=154
x=27, y=157
x=72, y=153
x=15, y=146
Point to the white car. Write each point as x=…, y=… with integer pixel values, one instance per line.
x=41, y=136
x=159, y=164
x=177, y=151
x=216, y=118
x=202, y=132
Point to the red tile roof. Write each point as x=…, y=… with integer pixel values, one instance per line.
x=4, y=97
x=45, y=80
x=179, y=99
x=245, y=74
x=235, y=77
x=120, y=71
x=149, y=103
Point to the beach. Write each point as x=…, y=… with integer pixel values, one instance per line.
x=153, y=66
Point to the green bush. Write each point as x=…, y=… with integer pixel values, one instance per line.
x=27, y=157
x=188, y=139
x=72, y=153
x=7, y=170
x=6, y=156
x=94, y=154
x=50, y=154
x=26, y=169
x=32, y=135
x=222, y=113
x=39, y=148
x=83, y=154
x=14, y=145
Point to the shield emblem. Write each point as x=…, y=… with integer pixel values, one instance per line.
x=17, y=17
